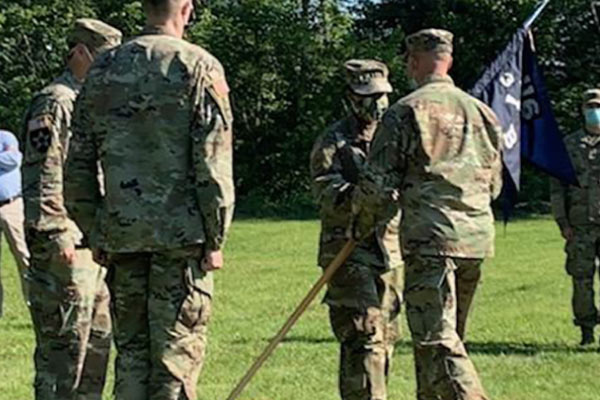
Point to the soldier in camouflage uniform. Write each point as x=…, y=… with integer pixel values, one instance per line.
x=155, y=114
x=577, y=213
x=438, y=153
x=364, y=295
x=69, y=299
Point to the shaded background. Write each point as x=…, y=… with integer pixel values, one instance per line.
x=283, y=60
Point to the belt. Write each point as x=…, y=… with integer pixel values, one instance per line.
x=9, y=200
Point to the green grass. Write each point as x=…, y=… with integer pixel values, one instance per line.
x=521, y=336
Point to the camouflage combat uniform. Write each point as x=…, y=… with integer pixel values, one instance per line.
x=364, y=296
x=437, y=152
x=155, y=114
x=578, y=208
x=69, y=302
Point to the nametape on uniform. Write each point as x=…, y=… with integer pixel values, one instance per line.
x=43, y=122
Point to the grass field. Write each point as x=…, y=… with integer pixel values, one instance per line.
x=521, y=336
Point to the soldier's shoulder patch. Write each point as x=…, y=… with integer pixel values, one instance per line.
x=39, y=123
x=40, y=140
x=39, y=132
x=219, y=84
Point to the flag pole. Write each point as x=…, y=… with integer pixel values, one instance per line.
x=327, y=274
x=536, y=14
x=595, y=6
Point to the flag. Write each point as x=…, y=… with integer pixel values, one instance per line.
x=514, y=87
x=500, y=87
x=541, y=139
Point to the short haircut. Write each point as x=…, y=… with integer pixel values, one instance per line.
x=161, y=7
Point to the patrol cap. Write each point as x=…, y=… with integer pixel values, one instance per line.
x=591, y=97
x=367, y=77
x=95, y=34
x=430, y=40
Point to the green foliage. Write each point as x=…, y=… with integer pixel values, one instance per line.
x=283, y=59
x=566, y=40
x=283, y=67
x=32, y=50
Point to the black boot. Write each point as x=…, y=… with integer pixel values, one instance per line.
x=587, y=336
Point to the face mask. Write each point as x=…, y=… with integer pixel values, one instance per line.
x=369, y=109
x=592, y=117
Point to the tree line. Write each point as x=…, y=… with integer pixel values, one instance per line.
x=283, y=60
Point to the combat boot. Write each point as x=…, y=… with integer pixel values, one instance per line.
x=587, y=336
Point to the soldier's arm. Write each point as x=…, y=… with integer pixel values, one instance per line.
x=47, y=124
x=330, y=188
x=212, y=152
x=558, y=196
x=377, y=195
x=497, y=138
x=82, y=191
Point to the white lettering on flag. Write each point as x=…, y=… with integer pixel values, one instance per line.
x=511, y=138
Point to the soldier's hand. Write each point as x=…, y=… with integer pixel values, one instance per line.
x=567, y=233
x=361, y=226
x=350, y=165
x=213, y=260
x=68, y=255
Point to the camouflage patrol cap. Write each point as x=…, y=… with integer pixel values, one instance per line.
x=95, y=34
x=430, y=40
x=591, y=96
x=367, y=77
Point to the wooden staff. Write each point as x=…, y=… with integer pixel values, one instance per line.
x=327, y=274
x=595, y=6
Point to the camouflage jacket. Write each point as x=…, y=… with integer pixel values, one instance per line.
x=337, y=158
x=437, y=152
x=45, y=144
x=572, y=205
x=155, y=113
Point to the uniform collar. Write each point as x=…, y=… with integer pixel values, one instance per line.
x=435, y=78
x=68, y=79
x=591, y=139
x=155, y=30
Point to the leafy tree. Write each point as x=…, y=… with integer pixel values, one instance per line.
x=284, y=64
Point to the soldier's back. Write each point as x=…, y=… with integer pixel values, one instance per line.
x=448, y=182
x=145, y=98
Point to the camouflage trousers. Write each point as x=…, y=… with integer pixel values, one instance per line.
x=467, y=280
x=70, y=313
x=583, y=255
x=364, y=304
x=443, y=368
x=161, y=306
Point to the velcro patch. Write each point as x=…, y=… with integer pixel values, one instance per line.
x=43, y=122
x=219, y=84
x=221, y=87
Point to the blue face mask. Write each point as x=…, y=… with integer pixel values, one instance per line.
x=592, y=117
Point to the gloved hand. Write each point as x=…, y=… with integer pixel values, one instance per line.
x=351, y=164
